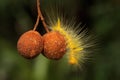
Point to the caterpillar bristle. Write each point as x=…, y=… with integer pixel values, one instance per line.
x=74, y=42
x=76, y=35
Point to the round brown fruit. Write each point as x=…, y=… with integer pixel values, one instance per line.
x=54, y=45
x=30, y=44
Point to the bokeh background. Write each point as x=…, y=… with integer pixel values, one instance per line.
x=101, y=17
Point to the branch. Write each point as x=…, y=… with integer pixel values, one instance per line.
x=41, y=17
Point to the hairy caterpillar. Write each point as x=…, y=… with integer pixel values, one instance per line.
x=77, y=39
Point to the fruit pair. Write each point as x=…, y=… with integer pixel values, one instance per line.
x=52, y=44
x=31, y=43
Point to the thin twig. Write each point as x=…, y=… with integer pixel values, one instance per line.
x=40, y=17
x=36, y=24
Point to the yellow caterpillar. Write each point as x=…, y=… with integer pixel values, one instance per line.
x=75, y=44
x=76, y=38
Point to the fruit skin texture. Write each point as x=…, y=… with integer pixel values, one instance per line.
x=54, y=45
x=30, y=44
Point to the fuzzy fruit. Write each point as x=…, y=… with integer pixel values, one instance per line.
x=30, y=44
x=54, y=45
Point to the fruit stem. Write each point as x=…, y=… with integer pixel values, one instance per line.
x=41, y=17
x=36, y=24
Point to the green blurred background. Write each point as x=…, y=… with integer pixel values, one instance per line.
x=102, y=17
